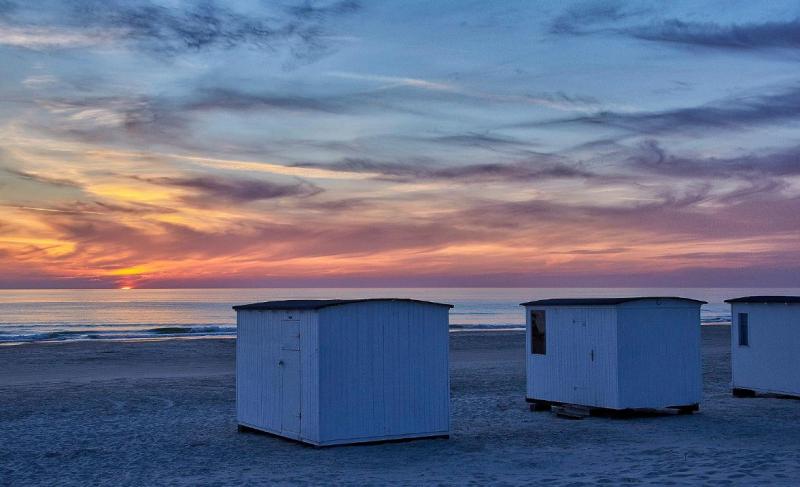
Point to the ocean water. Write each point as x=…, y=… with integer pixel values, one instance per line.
x=146, y=314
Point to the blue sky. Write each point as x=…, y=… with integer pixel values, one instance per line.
x=396, y=143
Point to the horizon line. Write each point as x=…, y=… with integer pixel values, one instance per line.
x=147, y=288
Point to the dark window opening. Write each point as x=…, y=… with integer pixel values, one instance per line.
x=744, y=336
x=538, y=333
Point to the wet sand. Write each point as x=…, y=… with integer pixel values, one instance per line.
x=112, y=413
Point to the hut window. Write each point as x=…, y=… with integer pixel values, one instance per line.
x=744, y=335
x=538, y=333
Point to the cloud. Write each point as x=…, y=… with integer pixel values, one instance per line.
x=669, y=220
x=615, y=250
x=320, y=11
x=237, y=100
x=483, y=140
x=54, y=37
x=102, y=111
x=735, y=113
x=358, y=241
x=562, y=101
x=110, y=120
x=651, y=157
x=747, y=36
x=267, y=167
x=245, y=243
x=174, y=120
x=581, y=18
x=426, y=171
x=42, y=179
x=167, y=120
x=448, y=91
x=107, y=208
x=171, y=30
x=206, y=189
x=605, y=17
x=39, y=81
x=395, y=81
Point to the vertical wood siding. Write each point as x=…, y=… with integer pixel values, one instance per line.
x=368, y=371
x=309, y=357
x=383, y=371
x=264, y=341
x=642, y=354
x=771, y=362
x=581, y=362
x=660, y=360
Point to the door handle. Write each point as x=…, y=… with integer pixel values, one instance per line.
x=280, y=363
x=592, y=355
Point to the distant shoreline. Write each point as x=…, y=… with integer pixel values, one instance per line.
x=179, y=337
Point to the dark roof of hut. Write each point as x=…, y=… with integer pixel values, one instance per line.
x=314, y=304
x=766, y=300
x=600, y=301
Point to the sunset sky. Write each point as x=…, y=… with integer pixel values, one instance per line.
x=274, y=143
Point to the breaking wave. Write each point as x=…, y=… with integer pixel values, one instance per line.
x=128, y=334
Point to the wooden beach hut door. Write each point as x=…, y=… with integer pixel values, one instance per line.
x=582, y=358
x=290, y=377
x=591, y=333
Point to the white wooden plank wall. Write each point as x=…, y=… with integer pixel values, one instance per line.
x=635, y=355
x=567, y=373
x=660, y=362
x=383, y=370
x=771, y=362
x=258, y=375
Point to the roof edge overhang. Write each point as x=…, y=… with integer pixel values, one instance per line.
x=604, y=301
x=765, y=300
x=303, y=304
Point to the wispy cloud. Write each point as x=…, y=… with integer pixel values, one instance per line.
x=55, y=37
x=585, y=17
x=473, y=139
x=609, y=18
x=52, y=210
x=272, y=168
x=556, y=100
x=739, y=37
x=770, y=106
x=395, y=81
x=40, y=178
x=237, y=100
x=166, y=120
x=39, y=81
x=562, y=101
x=670, y=219
x=205, y=189
x=652, y=157
x=163, y=29
x=418, y=172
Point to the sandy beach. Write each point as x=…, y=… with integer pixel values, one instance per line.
x=162, y=412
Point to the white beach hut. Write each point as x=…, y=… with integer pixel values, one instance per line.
x=614, y=353
x=328, y=372
x=765, y=345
